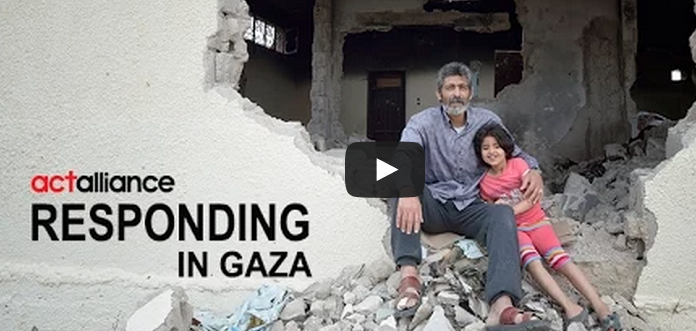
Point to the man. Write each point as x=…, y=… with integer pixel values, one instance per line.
x=450, y=201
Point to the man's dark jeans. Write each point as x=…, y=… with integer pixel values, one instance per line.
x=491, y=225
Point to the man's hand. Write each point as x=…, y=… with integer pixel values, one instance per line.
x=409, y=215
x=532, y=186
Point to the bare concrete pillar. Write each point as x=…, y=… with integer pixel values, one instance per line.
x=629, y=46
x=325, y=128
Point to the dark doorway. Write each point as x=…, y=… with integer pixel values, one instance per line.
x=386, y=105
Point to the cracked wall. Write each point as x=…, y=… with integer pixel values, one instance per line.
x=578, y=69
x=71, y=100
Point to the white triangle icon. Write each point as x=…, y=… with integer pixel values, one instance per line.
x=384, y=169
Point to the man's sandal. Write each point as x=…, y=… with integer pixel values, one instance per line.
x=530, y=322
x=611, y=323
x=410, y=289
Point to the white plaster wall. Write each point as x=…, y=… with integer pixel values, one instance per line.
x=118, y=87
x=667, y=287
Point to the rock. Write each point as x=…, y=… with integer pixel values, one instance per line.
x=383, y=313
x=379, y=270
x=358, y=327
x=356, y=318
x=620, y=243
x=369, y=304
x=294, y=310
x=438, y=321
x=448, y=298
x=277, y=326
x=317, y=309
x=364, y=281
x=655, y=149
x=623, y=302
x=581, y=197
x=553, y=205
x=565, y=229
x=633, y=227
x=393, y=283
x=361, y=292
x=422, y=314
x=388, y=324
x=615, y=152
x=347, y=310
x=554, y=319
x=478, y=326
x=370, y=325
x=349, y=298
x=334, y=327
x=334, y=306
x=463, y=318
x=292, y=326
x=319, y=290
x=169, y=310
x=313, y=323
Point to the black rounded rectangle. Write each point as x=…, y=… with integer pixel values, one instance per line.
x=385, y=169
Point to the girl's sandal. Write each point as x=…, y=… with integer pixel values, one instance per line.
x=611, y=323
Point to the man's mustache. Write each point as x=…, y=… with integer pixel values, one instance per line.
x=457, y=100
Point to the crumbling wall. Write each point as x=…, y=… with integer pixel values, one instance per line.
x=572, y=99
x=70, y=99
x=667, y=289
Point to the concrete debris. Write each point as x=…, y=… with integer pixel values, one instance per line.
x=168, y=311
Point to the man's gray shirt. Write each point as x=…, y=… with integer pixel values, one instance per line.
x=452, y=169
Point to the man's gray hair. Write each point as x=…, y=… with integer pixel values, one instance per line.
x=453, y=69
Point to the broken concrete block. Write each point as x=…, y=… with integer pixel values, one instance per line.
x=294, y=310
x=581, y=197
x=422, y=313
x=632, y=225
x=553, y=205
x=369, y=304
x=361, y=292
x=448, y=298
x=564, y=228
x=169, y=310
x=623, y=302
x=438, y=321
x=478, y=326
x=615, y=152
x=463, y=318
x=347, y=310
x=277, y=326
x=380, y=270
x=620, y=243
x=388, y=324
x=318, y=309
x=292, y=326
x=313, y=323
x=349, y=298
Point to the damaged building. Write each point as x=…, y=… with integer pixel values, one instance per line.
x=592, y=88
x=567, y=80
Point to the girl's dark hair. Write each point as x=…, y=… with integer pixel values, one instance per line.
x=496, y=131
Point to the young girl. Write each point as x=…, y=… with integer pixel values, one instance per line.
x=536, y=237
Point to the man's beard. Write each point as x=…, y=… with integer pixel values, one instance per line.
x=456, y=106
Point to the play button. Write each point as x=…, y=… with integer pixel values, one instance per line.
x=384, y=169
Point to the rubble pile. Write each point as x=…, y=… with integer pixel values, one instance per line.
x=597, y=214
